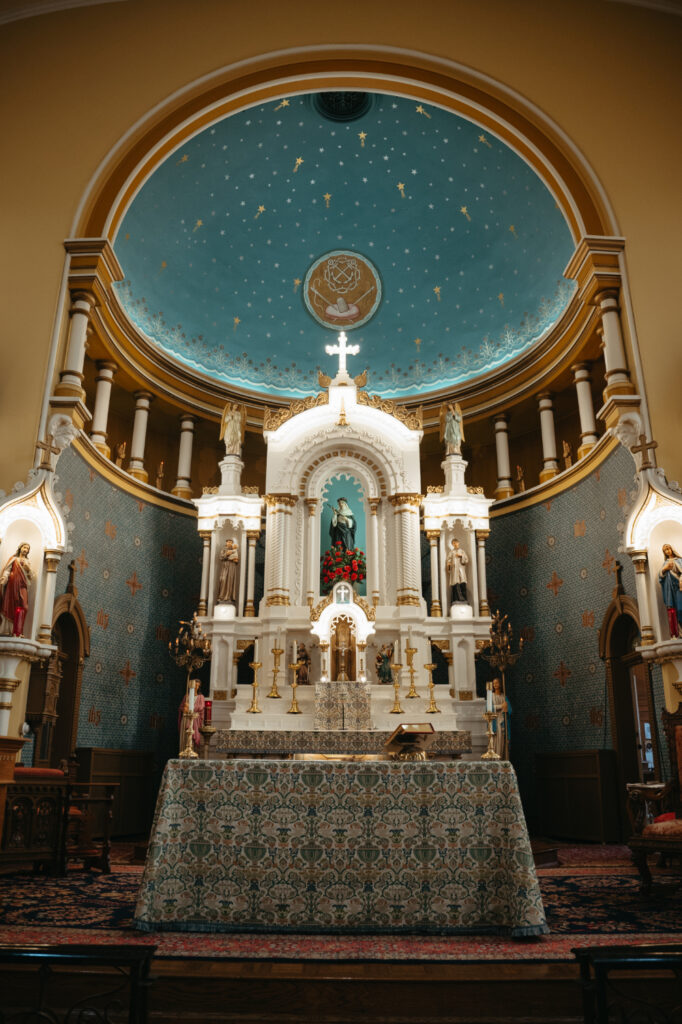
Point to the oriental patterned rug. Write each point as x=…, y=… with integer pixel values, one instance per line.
x=584, y=906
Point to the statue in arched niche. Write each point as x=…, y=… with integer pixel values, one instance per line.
x=14, y=583
x=343, y=525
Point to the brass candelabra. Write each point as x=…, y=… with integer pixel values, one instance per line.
x=410, y=652
x=396, y=709
x=294, y=708
x=500, y=654
x=188, y=719
x=253, y=709
x=191, y=648
x=277, y=653
x=432, y=707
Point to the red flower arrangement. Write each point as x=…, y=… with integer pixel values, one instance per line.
x=339, y=564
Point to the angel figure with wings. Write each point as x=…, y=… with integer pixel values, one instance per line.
x=232, y=427
x=452, y=428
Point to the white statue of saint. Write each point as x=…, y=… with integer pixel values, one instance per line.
x=452, y=428
x=232, y=427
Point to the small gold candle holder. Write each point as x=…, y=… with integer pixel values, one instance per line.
x=277, y=653
x=294, y=708
x=490, y=754
x=188, y=718
x=396, y=709
x=432, y=708
x=410, y=652
x=254, y=709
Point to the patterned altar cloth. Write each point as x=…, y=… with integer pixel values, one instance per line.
x=421, y=847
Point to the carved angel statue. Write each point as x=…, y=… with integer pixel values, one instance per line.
x=452, y=428
x=232, y=427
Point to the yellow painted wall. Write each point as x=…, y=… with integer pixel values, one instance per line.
x=73, y=82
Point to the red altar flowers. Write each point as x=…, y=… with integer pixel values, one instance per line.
x=339, y=564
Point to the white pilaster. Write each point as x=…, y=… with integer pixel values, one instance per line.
x=100, y=416
x=249, y=608
x=313, y=574
x=205, y=570
x=408, y=587
x=373, y=580
x=504, y=487
x=588, y=422
x=615, y=363
x=433, y=537
x=71, y=377
x=640, y=561
x=550, y=466
x=50, y=563
x=183, y=483
x=481, y=536
x=143, y=400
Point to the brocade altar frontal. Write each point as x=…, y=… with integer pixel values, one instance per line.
x=415, y=847
x=277, y=743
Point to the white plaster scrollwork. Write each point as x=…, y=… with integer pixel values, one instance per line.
x=288, y=478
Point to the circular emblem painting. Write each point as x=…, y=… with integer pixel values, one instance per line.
x=342, y=290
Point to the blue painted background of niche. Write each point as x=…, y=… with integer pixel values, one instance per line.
x=138, y=573
x=551, y=568
x=344, y=486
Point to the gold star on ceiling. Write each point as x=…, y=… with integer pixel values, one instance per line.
x=327, y=196
x=418, y=343
x=401, y=188
x=199, y=224
x=284, y=103
x=501, y=298
x=236, y=321
x=163, y=264
x=297, y=282
x=436, y=291
x=420, y=110
x=482, y=138
x=183, y=159
x=464, y=210
x=362, y=136
x=513, y=230
x=299, y=161
x=261, y=209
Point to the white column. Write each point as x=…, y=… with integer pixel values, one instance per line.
x=183, y=487
x=642, y=584
x=588, y=423
x=406, y=509
x=243, y=565
x=481, y=536
x=71, y=377
x=373, y=552
x=615, y=363
x=433, y=537
x=104, y=380
x=504, y=487
x=550, y=466
x=279, y=519
x=205, y=570
x=51, y=561
x=250, y=609
x=313, y=574
x=444, y=588
x=143, y=400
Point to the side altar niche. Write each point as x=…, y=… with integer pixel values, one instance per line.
x=343, y=614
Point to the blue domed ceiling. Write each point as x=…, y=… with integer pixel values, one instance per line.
x=253, y=244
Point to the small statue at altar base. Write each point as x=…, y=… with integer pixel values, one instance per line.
x=520, y=482
x=14, y=583
x=199, y=706
x=303, y=670
x=121, y=453
x=383, y=663
x=501, y=722
x=568, y=454
x=457, y=576
x=228, y=582
x=451, y=428
x=232, y=427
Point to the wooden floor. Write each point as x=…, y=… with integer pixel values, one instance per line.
x=219, y=992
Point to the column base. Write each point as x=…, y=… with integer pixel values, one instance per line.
x=182, y=492
x=408, y=599
x=585, y=448
x=376, y=597
x=647, y=639
x=203, y=608
x=503, y=492
x=548, y=474
x=436, y=612
x=101, y=447
x=277, y=599
x=70, y=385
x=483, y=608
x=139, y=474
x=249, y=610
x=618, y=387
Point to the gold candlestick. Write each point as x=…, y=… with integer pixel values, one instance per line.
x=410, y=652
x=396, y=709
x=294, y=709
x=254, y=709
x=490, y=754
x=188, y=732
x=277, y=653
x=432, y=708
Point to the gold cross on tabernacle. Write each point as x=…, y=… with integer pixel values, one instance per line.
x=644, y=447
x=48, y=449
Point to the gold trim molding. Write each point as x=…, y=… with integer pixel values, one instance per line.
x=413, y=419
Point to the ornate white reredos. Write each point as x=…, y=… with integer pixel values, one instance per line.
x=241, y=509
x=342, y=423
x=35, y=507
x=656, y=506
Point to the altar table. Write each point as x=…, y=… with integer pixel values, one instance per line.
x=420, y=847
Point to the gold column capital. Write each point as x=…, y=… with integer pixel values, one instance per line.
x=273, y=500
x=405, y=500
x=432, y=536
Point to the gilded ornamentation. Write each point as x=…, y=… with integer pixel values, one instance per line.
x=320, y=607
x=405, y=499
x=274, y=418
x=249, y=490
x=365, y=605
x=435, y=489
x=272, y=500
x=210, y=490
x=475, y=490
x=414, y=419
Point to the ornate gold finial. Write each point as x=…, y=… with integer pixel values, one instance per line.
x=342, y=420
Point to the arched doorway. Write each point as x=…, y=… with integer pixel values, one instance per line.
x=630, y=699
x=54, y=688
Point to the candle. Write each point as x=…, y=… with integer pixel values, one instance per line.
x=190, y=698
x=489, y=697
x=293, y=651
x=409, y=637
x=208, y=710
x=255, y=651
x=277, y=647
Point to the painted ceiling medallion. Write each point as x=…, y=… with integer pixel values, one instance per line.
x=342, y=289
